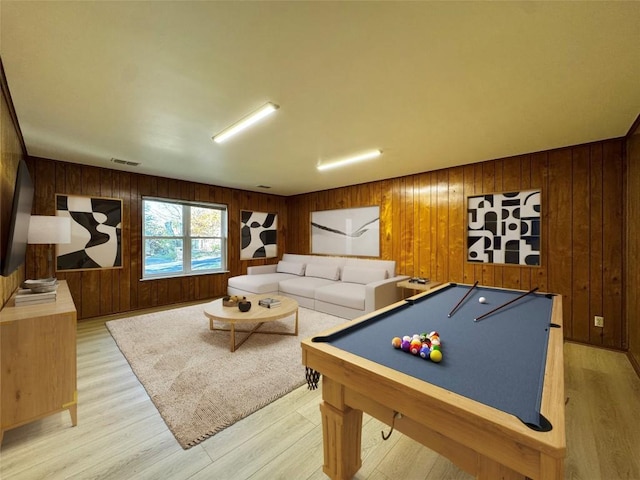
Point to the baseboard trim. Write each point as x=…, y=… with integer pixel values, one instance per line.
x=634, y=363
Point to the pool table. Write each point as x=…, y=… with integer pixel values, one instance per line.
x=494, y=404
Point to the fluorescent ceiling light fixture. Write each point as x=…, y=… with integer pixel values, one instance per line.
x=247, y=121
x=346, y=161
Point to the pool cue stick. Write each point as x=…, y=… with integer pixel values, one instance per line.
x=462, y=299
x=505, y=304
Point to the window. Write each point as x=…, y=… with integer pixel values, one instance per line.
x=183, y=238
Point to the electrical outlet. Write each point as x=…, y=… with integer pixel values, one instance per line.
x=598, y=321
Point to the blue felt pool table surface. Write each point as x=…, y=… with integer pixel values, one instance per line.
x=498, y=360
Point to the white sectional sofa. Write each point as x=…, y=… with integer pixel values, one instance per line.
x=345, y=287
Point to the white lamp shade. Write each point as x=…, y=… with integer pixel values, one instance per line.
x=45, y=229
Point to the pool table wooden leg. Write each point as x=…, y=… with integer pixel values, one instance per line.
x=342, y=433
x=489, y=470
x=551, y=467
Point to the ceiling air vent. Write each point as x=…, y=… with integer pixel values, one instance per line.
x=125, y=162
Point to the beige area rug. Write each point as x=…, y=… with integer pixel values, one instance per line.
x=197, y=384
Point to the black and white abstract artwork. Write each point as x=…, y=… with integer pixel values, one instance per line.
x=96, y=233
x=348, y=231
x=258, y=234
x=504, y=228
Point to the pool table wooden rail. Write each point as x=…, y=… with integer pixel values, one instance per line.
x=482, y=440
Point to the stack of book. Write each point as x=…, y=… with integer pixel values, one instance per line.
x=37, y=291
x=27, y=297
x=269, y=302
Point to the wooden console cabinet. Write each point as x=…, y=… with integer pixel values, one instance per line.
x=38, y=360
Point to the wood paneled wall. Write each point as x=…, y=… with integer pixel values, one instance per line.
x=103, y=292
x=423, y=223
x=632, y=277
x=11, y=151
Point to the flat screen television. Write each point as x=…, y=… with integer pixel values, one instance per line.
x=16, y=244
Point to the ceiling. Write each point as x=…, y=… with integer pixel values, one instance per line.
x=431, y=84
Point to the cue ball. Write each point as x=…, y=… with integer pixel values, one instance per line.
x=482, y=300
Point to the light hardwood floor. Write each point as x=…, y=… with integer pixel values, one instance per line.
x=120, y=434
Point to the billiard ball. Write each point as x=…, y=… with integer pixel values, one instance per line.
x=396, y=342
x=482, y=300
x=435, y=356
x=406, y=345
x=424, y=352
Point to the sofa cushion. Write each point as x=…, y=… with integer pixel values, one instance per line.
x=290, y=267
x=303, y=287
x=350, y=295
x=362, y=275
x=330, y=272
x=388, y=265
x=263, y=283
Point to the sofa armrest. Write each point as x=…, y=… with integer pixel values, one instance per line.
x=383, y=293
x=258, y=269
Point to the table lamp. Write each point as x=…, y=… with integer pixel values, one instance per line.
x=49, y=230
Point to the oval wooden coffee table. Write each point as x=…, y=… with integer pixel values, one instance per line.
x=258, y=314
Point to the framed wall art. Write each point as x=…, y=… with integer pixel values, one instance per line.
x=258, y=235
x=96, y=233
x=347, y=231
x=504, y=228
